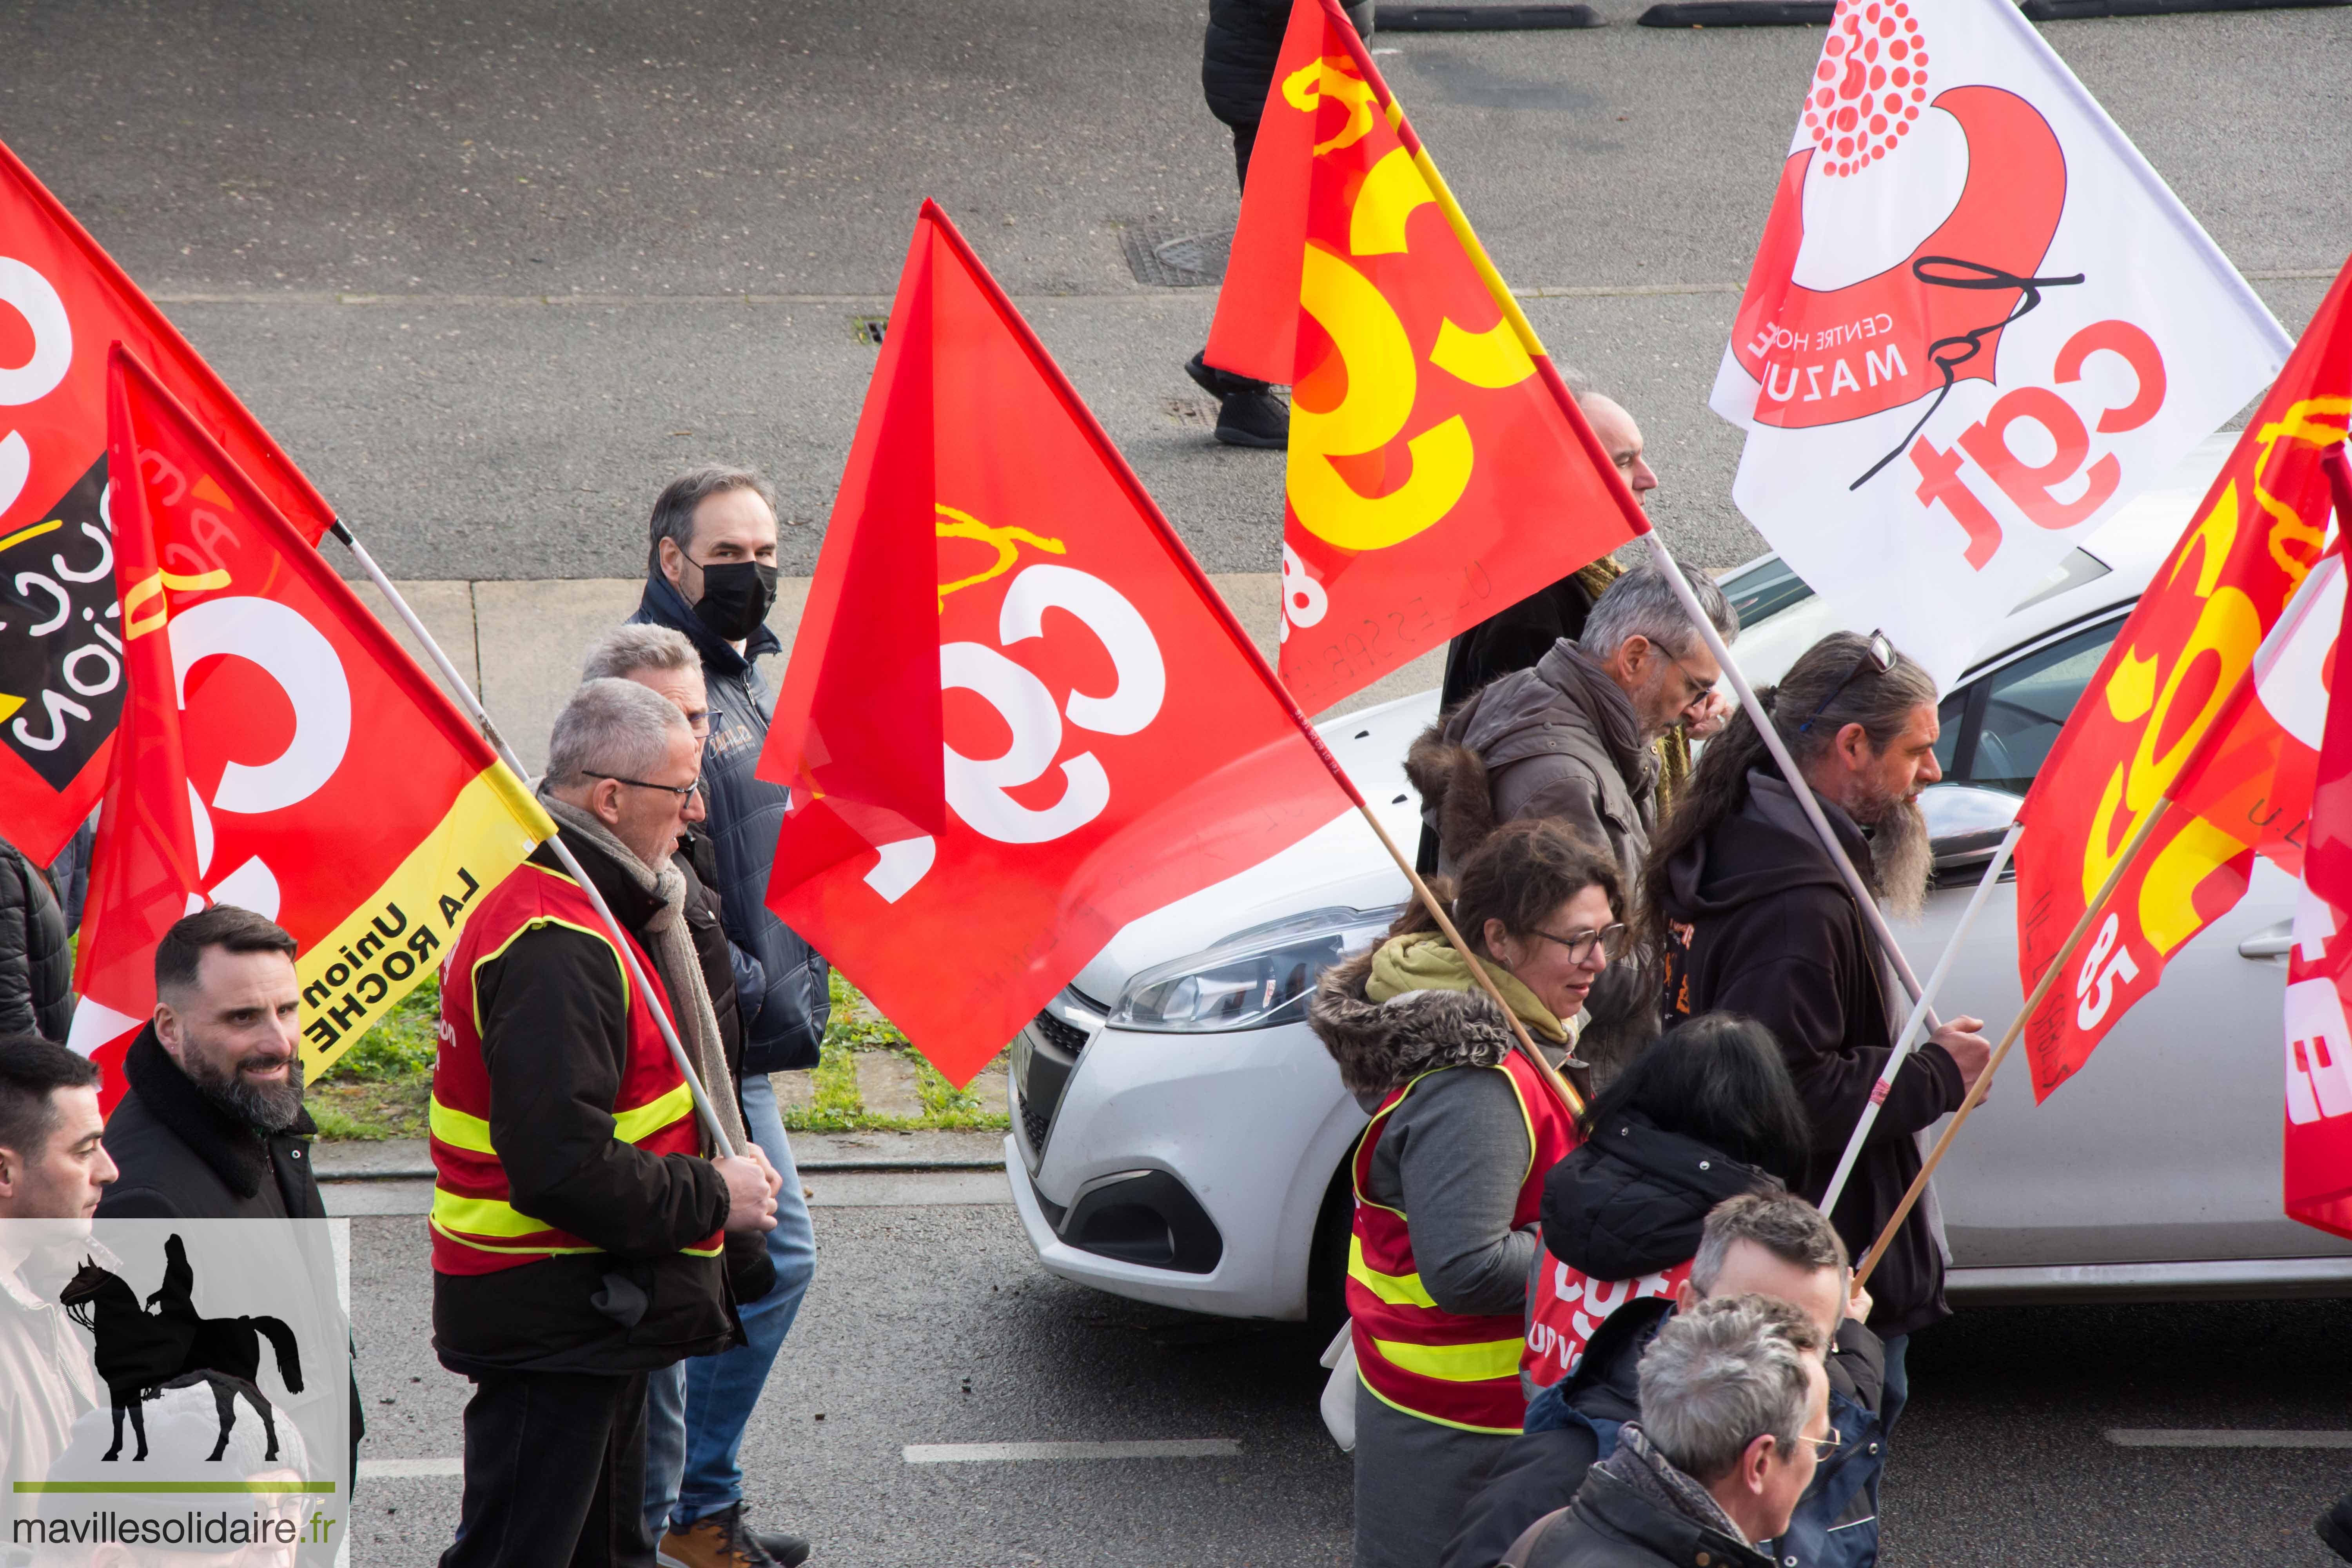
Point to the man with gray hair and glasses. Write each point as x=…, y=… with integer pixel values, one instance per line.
x=1734, y=1418
x=696, y=1412
x=578, y=1228
x=1573, y=740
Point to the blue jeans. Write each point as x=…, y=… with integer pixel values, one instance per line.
x=1898, y=1384
x=697, y=1410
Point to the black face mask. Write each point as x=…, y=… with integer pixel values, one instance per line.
x=736, y=597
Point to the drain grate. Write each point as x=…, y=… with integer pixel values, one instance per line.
x=1171, y=255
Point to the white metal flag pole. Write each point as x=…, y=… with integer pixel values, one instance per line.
x=1915, y=1025
x=1871, y=913
x=457, y=683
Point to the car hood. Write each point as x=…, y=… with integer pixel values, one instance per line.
x=1340, y=864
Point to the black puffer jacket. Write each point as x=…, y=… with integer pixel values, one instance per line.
x=36, y=963
x=1632, y=1199
x=782, y=982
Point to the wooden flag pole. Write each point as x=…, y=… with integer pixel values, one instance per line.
x=481, y=718
x=2256, y=670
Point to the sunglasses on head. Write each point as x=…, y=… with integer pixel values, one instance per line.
x=1878, y=653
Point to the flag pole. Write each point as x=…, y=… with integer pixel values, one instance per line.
x=2257, y=669
x=481, y=719
x=1182, y=556
x=1908, y=1040
x=1635, y=519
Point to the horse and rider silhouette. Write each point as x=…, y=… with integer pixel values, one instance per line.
x=142, y=1353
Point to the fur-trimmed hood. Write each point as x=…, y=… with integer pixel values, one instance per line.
x=1379, y=1044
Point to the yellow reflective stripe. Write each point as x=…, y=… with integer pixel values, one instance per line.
x=473, y=979
x=641, y=1122
x=1454, y=1363
x=483, y=1216
x=1365, y=1379
x=459, y=1130
x=479, y=1246
x=702, y=1251
x=1396, y=1290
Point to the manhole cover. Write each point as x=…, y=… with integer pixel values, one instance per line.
x=1172, y=256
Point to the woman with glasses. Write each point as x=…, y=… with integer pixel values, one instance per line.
x=1449, y=1176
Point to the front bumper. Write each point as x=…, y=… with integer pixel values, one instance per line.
x=1186, y=1170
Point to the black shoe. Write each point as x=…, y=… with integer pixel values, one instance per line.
x=2334, y=1528
x=789, y=1550
x=1253, y=419
x=1218, y=384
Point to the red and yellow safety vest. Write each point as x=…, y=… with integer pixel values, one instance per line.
x=1457, y=1369
x=476, y=1230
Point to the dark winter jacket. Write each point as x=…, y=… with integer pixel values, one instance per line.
x=1237, y=57
x=1576, y=1424
x=1614, y=1524
x=781, y=981
x=1514, y=638
x=1632, y=1199
x=751, y=1272
x=1758, y=922
x=35, y=963
x=555, y=1040
x=184, y=1157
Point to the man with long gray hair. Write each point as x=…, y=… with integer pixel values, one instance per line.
x=1751, y=916
x=1572, y=739
x=1733, y=1416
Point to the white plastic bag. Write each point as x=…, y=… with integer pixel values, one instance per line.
x=1340, y=1392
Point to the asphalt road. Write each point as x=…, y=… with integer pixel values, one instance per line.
x=260, y=166
x=934, y=1325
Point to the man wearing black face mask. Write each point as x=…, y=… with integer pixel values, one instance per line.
x=711, y=574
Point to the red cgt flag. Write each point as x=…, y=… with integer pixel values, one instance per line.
x=1439, y=470
x=278, y=752
x=2169, y=715
x=1017, y=715
x=59, y=692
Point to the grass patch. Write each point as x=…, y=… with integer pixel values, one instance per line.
x=380, y=1087
x=835, y=1104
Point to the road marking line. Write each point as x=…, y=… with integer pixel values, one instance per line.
x=998, y=1453
x=397, y=1470
x=2226, y=1437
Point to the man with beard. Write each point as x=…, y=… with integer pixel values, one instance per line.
x=1750, y=916
x=212, y=1124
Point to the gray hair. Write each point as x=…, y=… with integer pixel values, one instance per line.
x=1721, y=1376
x=613, y=727
x=631, y=648
x=673, y=516
x=1643, y=602
x=1782, y=1223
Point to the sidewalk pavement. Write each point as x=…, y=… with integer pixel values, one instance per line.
x=522, y=644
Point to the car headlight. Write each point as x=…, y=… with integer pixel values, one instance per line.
x=1254, y=979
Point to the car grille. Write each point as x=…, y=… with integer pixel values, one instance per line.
x=1044, y=1058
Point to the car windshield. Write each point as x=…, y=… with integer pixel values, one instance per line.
x=1764, y=588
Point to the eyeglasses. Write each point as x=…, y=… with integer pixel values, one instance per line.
x=681, y=791
x=1698, y=688
x=1877, y=654
x=699, y=724
x=1824, y=1446
x=1580, y=944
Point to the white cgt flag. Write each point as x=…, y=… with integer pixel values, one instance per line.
x=1978, y=322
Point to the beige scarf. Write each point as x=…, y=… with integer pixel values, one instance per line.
x=674, y=959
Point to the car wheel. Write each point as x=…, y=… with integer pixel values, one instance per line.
x=1326, y=1255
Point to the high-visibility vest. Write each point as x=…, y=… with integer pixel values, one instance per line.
x=475, y=1228
x=1566, y=1307
x=1454, y=1368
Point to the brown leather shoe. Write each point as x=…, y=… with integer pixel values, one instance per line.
x=715, y=1541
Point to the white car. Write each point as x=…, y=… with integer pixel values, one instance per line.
x=1180, y=1136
